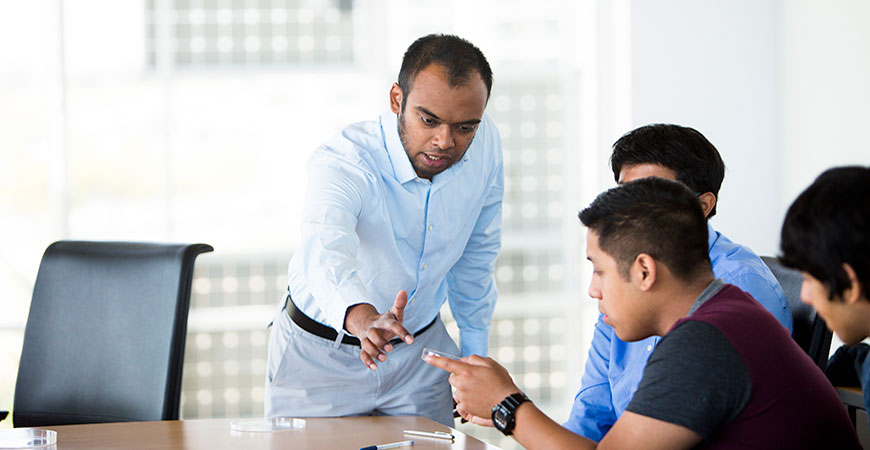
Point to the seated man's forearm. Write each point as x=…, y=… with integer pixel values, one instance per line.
x=534, y=430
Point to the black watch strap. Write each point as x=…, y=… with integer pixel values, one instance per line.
x=504, y=413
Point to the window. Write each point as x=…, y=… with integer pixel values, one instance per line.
x=226, y=33
x=198, y=129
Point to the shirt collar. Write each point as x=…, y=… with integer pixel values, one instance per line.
x=712, y=236
x=402, y=168
x=706, y=294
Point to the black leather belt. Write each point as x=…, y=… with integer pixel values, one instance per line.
x=318, y=329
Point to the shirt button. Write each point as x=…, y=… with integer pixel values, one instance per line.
x=425, y=266
x=649, y=348
x=412, y=299
x=431, y=227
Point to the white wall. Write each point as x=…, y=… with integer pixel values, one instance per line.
x=824, y=89
x=711, y=65
x=781, y=87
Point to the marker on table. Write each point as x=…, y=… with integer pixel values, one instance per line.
x=386, y=446
x=432, y=434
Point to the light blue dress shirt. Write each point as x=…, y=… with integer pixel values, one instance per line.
x=614, y=367
x=371, y=227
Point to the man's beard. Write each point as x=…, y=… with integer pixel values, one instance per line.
x=420, y=170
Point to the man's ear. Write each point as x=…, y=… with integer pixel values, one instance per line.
x=644, y=271
x=708, y=202
x=395, y=98
x=852, y=293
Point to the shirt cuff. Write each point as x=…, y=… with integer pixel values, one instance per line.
x=346, y=296
x=474, y=342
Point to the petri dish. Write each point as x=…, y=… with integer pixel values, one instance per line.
x=432, y=352
x=267, y=425
x=27, y=438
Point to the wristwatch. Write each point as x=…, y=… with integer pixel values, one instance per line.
x=503, y=413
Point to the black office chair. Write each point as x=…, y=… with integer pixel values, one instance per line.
x=105, y=337
x=841, y=372
x=810, y=331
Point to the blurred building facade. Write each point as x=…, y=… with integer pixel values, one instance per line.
x=191, y=120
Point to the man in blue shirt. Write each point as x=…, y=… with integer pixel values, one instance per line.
x=614, y=367
x=401, y=214
x=825, y=236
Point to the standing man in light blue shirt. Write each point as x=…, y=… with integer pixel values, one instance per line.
x=401, y=214
x=614, y=367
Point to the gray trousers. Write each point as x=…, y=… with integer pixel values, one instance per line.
x=309, y=376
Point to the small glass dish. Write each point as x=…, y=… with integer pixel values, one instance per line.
x=27, y=438
x=267, y=425
x=433, y=352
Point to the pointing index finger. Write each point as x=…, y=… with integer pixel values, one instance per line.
x=402, y=332
x=442, y=362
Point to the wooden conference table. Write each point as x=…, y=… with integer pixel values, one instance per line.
x=351, y=433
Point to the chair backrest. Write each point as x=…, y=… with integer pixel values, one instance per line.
x=810, y=331
x=104, y=340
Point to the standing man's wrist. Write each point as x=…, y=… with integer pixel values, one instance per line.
x=358, y=318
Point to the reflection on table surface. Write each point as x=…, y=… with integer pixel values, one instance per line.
x=319, y=433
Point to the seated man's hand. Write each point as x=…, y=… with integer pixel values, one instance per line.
x=375, y=330
x=468, y=417
x=480, y=384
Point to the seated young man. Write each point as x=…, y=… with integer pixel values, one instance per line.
x=725, y=374
x=614, y=367
x=825, y=236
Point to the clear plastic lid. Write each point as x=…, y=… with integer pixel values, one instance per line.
x=432, y=352
x=267, y=425
x=27, y=438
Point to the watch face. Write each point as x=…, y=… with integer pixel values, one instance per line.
x=499, y=419
x=502, y=419
x=503, y=413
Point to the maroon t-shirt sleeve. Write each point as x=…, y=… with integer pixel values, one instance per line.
x=694, y=378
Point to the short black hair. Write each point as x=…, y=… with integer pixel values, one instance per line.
x=828, y=225
x=685, y=151
x=460, y=59
x=659, y=217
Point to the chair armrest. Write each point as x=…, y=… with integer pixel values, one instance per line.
x=851, y=396
x=3, y=415
x=853, y=400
